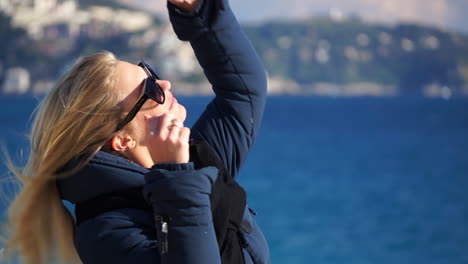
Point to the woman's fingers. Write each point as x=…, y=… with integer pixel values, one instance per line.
x=174, y=137
x=158, y=125
x=186, y=5
x=184, y=136
x=170, y=139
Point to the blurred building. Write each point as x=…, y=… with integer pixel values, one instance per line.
x=16, y=81
x=65, y=19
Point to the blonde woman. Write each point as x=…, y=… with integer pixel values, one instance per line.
x=110, y=138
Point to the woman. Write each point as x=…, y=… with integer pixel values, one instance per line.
x=110, y=139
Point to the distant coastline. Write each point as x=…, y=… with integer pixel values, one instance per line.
x=288, y=87
x=323, y=56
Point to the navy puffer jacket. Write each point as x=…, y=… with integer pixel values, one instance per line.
x=229, y=125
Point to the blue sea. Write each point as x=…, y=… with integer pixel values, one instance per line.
x=343, y=180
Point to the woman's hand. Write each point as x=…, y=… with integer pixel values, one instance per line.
x=186, y=5
x=169, y=139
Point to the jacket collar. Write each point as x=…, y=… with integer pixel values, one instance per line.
x=105, y=173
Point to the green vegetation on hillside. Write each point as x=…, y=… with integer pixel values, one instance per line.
x=320, y=50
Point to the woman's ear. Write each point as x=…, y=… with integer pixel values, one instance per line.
x=122, y=143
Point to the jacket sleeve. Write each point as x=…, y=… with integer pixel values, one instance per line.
x=180, y=198
x=177, y=193
x=231, y=121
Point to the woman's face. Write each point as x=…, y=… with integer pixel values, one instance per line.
x=130, y=82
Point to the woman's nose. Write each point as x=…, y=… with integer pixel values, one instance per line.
x=165, y=85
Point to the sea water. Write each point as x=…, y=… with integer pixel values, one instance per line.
x=342, y=180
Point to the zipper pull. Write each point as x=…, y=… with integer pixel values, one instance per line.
x=163, y=230
x=252, y=211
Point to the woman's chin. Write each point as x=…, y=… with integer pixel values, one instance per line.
x=181, y=113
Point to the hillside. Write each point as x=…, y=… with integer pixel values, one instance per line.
x=409, y=57
x=316, y=56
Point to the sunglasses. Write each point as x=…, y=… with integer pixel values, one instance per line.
x=153, y=91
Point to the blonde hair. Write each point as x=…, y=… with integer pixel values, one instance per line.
x=76, y=118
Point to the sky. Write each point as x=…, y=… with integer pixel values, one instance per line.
x=445, y=14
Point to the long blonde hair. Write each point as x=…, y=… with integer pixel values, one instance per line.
x=76, y=118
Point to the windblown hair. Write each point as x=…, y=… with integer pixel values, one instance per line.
x=76, y=119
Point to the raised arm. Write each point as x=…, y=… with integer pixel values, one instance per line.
x=231, y=121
